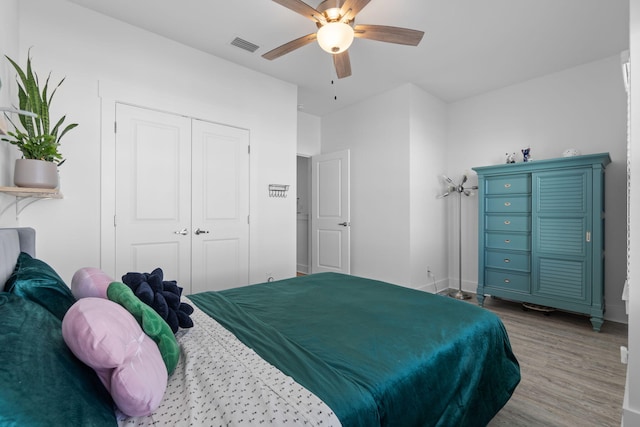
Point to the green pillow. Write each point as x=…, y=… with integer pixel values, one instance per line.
x=41, y=382
x=36, y=281
x=150, y=322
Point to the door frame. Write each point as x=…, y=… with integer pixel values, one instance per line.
x=307, y=157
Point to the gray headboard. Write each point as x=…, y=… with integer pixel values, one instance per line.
x=12, y=242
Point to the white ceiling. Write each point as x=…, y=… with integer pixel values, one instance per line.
x=470, y=46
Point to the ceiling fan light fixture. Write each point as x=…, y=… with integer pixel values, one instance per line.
x=335, y=37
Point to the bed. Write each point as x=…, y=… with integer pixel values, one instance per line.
x=324, y=349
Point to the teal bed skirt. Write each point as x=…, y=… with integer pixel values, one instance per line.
x=377, y=354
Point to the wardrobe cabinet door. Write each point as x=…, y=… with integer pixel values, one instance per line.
x=561, y=223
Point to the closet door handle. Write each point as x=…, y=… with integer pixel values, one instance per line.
x=182, y=232
x=344, y=224
x=198, y=232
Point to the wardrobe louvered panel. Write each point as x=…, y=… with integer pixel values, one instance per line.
x=562, y=235
x=562, y=279
x=562, y=192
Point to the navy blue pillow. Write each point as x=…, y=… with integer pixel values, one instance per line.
x=36, y=281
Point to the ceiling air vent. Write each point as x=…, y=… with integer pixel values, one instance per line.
x=243, y=44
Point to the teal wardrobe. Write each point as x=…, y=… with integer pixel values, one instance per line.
x=541, y=233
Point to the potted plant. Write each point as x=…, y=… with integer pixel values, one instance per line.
x=36, y=139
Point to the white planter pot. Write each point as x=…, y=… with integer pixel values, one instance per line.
x=35, y=174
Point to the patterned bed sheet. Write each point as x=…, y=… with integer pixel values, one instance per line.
x=219, y=381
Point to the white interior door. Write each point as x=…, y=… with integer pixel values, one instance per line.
x=153, y=193
x=220, y=200
x=331, y=217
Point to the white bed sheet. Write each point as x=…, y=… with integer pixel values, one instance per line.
x=219, y=381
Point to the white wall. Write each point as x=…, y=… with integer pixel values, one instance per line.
x=582, y=108
x=309, y=135
x=94, y=51
x=377, y=133
x=427, y=157
x=631, y=406
x=9, y=47
x=395, y=139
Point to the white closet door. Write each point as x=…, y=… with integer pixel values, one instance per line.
x=153, y=193
x=220, y=200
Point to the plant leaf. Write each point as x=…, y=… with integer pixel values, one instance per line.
x=67, y=129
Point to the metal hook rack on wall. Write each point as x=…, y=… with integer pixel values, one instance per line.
x=278, y=190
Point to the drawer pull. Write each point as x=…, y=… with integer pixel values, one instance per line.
x=507, y=222
x=507, y=241
x=507, y=203
x=507, y=260
x=507, y=281
x=507, y=186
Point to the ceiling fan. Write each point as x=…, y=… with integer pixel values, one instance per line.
x=335, y=20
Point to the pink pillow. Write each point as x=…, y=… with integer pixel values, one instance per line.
x=90, y=282
x=106, y=337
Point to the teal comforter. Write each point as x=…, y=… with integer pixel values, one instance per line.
x=376, y=353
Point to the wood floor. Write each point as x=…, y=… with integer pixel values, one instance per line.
x=571, y=375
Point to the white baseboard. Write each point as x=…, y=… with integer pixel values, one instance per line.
x=630, y=417
x=302, y=268
x=435, y=288
x=616, y=313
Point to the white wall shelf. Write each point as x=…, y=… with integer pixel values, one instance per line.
x=28, y=196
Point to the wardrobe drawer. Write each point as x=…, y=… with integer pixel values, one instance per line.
x=520, y=242
x=508, y=222
x=508, y=204
x=505, y=279
x=509, y=184
x=511, y=260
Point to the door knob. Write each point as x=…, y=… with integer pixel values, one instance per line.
x=344, y=224
x=182, y=232
x=198, y=232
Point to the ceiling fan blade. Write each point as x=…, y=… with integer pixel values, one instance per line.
x=289, y=47
x=343, y=64
x=350, y=8
x=302, y=8
x=389, y=34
